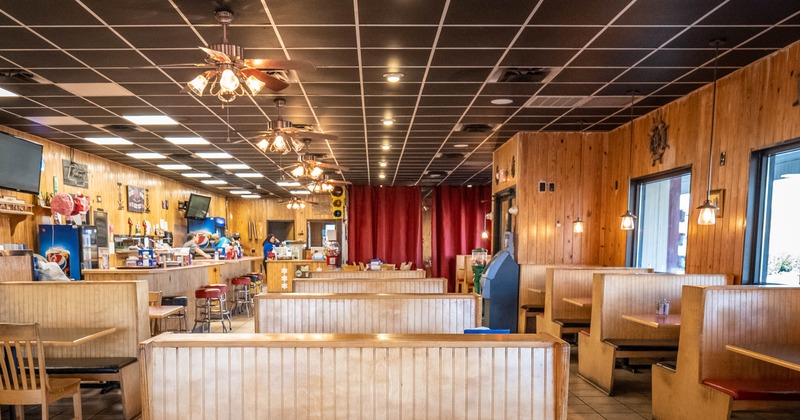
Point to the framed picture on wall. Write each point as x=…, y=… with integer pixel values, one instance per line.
x=135, y=199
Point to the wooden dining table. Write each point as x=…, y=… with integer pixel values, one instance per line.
x=63, y=337
x=785, y=355
x=655, y=320
x=583, y=302
x=160, y=312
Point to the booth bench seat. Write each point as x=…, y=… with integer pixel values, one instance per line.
x=757, y=389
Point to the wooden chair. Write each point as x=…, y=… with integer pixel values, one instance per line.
x=406, y=266
x=361, y=266
x=349, y=268
x=465, y=281
x=23, y=380
x=388, y=267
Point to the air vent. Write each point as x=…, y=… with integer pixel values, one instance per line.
x=124, y=128
x=23, y=76
x=437, y=174
x=522, y=75
x=556, y=101
x=475, y=128
x=610, y=101
x=451, y=155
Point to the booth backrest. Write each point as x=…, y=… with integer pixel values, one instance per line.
x=533, y=276
x=371, y=285
x=614, y=295
x=16, y=266
x=713, y=317
x=366, y=313
x=293, y=376
x=82, y=304
x=392, y=274
x=572, y=282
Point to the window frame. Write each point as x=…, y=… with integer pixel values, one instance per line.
x=634, y=194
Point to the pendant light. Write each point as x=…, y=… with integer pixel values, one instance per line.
x=578, y=225
x=628, y=221
x=708, y=211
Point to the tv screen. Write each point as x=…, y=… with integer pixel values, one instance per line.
x=197, y=207
x=20, y=164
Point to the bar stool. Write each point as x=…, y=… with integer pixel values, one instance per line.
x=222, y=309
x=180, y=316
x=203, y=314
x=242, y=299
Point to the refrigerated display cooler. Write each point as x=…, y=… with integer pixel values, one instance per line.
x=204, y=228
x=73, y=248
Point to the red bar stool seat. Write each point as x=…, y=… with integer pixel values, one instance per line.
x=206, y=299
x=221, y=310
x=241, y=294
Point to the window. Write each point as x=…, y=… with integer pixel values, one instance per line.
x=662, y=205
x=773, y=222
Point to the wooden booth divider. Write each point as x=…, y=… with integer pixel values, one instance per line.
x=383, y=274
x=87, y=305
x=17, y=265
x=350, y=376
x=612, y=337
x=370, y=285
x=561, y=317
x=366, y=313
x=709, y=380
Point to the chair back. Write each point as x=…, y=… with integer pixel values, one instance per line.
x=349, y=268
x=406, y=266
x=360, y=266
x=154, y=298
x=388, y=267
x=22, y=374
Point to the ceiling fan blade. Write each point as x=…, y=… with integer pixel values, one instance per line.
x=180, y=65
x=331, y=166
x=292, y=166
x=337, y=182
x=271, y=83
x=269, y=64
x=313, y=135
x=217, y=56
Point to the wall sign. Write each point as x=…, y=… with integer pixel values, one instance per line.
x=135, y=199
x=75, y=174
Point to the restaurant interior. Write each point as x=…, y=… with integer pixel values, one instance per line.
x=400, y=208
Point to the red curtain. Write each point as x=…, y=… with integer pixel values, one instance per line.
x=385, y=223
x=456, y=226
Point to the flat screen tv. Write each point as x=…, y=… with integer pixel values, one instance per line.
x=197, y=207
x=20, y=164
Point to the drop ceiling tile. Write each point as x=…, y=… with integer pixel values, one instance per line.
x=609, y=58
x=531, y=57
x=699, y=37
x=318, y=37
x=459, y=74
x=581, y=12
x=570, y=89
x=775, y=38
x=397, y=36
x=109, y=58
x=141, y=12
x=303, y=12
x=396, y=59
x=58, y=13
x=555, y=37
x=327, y=57
x=330, y=75
x=635, y=37
x=680, y=12
x=475, y=37
x=510, y=89
x=464, y=89
x=766, y=12
x=501, y=12
x=466, y=57
x=353, y=89
x=71, y=76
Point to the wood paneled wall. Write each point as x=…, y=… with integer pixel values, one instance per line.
x=313, y=285
x=82, y=304
x=260, y=211
x=365, y=313
x=103, y=178
x=280, y=376
x=754, y=111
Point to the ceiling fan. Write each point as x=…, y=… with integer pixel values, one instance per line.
x=307, y=166
x=230, y=71
x=324, y=185
x=283, y=137
x=295, y=203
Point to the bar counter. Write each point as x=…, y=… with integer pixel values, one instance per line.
x=181, y=281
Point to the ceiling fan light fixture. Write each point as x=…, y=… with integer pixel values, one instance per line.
x=254, y=84
x=263, y=145
x=278, y=144
x=228, y=80
x=199, y=83
x=316, y=172
x=226, y=96
x=298, y=171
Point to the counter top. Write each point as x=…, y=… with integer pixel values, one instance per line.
x=295, y=261
x=198, y=263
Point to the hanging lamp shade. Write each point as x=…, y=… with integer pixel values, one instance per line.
x=708, y=213
x=628, y=221
x=578, y=225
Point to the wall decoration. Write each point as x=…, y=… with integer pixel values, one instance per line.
x=101, y=222
x=119, y=197
x=146, y=200
x=658, y=139
x=75, y=174
x=165, y=205
x=135, y=199
x=99, y=199
x=717, y=198
x=513, y=164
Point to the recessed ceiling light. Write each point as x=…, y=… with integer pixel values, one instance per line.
x=196, y=175
x=460, y=146
x=95, y=89
x=386, y=146
x=251, y=196
x=382, y=164
x=150, y=119
x=288, y=183
x=105, y=141
x=469, y=185
x=382, y=176
x=240, y=192
x=393, y=77
x=387, y=121
x=214, y=155
x=249, y=175
x=213, y=182
x=146, y=155
x=300, y=192
x=502, y=101
x=186, y=140
x=233, y=166
x=7, y=94
x=174, y=166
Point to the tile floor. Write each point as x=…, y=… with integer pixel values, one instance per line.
x=631, y=399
